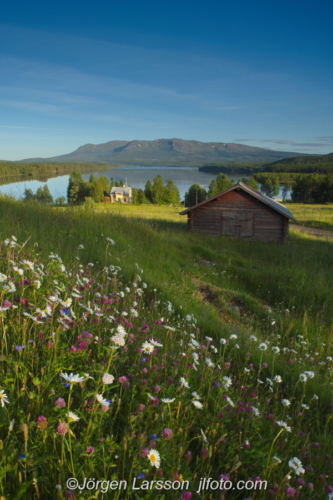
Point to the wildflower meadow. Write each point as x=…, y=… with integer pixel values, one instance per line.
x=108, y=390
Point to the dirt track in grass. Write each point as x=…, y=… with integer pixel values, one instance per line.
x=320, y=233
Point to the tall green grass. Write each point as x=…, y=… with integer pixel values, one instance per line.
x=256, y=311
x=312, y=215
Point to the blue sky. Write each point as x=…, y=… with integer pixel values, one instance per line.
x=252, y=72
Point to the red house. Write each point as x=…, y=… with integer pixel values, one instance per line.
x=242, y=212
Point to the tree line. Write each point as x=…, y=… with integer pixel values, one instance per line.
x=97, y=189
x=306, y=188
x=197, y=193
x=313, y=188
x=157, y=192
x=303, y=164
x=46, y=170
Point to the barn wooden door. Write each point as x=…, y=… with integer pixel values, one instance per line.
x=237, y=224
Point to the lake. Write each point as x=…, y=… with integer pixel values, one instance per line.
x=135, y=176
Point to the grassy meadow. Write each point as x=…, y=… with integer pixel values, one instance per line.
x=134, y=351
x=320, y=216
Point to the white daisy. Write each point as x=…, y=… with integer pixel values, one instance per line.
x=184, y=383
x=284, y=425
x=296, y=464
x=3, y=398
x=168, y=400
x=102, y=401
x=148, y=348
x=227, y=382
x=72, y=417
x=197, y=404
x=71, y=378
x=155, y=458
x=155, y=343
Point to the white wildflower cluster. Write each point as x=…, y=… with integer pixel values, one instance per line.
x=9, y=287
x=119, y=338
x=209, y=363
x=11, y=242
x=284, y=425
x=296, y=465
x=263, y=346
x=184, y=383
x=256, y=411
x=107, y=379
x=55, y=256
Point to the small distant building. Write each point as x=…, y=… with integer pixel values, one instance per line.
x=123, y=194
x=242, y=212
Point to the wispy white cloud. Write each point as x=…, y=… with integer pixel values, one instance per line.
x=328, y=142
x=244, y=140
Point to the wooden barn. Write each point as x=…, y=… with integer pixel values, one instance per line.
x=242, y=212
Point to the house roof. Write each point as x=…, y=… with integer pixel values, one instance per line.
x=253, y=192
x=125, y=191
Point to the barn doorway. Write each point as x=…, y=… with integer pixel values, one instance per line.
x=236, y=223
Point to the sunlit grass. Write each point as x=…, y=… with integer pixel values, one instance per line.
x=143, y=211
x=320, y=216
x=271, y=304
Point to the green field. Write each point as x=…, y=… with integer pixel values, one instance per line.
x=160, y=212
x=245, y=326
x=320, y=216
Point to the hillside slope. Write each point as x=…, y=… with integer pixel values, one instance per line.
x=303, y=164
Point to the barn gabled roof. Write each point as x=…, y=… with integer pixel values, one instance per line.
x=253, y=192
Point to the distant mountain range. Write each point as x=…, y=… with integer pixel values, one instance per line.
x=167, y=152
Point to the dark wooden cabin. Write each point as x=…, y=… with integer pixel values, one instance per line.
x=242, y=212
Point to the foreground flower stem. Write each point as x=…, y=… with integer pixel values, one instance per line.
x=267, y=469
x=70, y=432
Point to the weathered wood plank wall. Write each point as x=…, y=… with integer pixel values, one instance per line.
x=239, y=214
